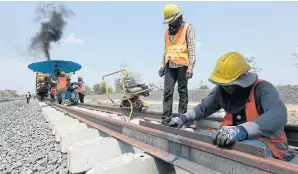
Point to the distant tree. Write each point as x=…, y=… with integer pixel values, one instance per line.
x=88, y=90
x=132, y=79
x=100, y=88
x=203, y=86
x=252, y=63
x=295, y=58
x=13, y=93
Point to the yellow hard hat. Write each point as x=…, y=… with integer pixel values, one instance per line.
x=228, y=68
x=80, y=77
x=62, y=72
x=171, y=11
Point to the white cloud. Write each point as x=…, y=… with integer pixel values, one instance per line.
x=72, y=39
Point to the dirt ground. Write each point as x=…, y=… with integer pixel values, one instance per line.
x=292, y=114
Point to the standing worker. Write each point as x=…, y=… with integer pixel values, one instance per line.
x=28, y=97
x=61, y=86
x=178, y=60
x=81, y=89
x=255, y=113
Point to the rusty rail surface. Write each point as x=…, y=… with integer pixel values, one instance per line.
x=180, y=149
x=290, y=130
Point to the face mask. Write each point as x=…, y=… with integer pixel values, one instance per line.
x=175, y=23
x=230, y=89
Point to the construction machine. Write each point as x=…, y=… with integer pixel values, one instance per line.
x=132, y=93
x=41, y=85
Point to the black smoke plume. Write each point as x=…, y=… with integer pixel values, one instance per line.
x=52, y=29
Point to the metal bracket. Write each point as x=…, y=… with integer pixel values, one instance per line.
x=123, y=88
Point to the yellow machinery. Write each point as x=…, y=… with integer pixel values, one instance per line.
x=40, y=76
x=131, y=98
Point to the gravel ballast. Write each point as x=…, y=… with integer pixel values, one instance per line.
x=26, y=143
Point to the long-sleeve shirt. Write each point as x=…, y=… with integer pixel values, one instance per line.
x=272, y=110
x=191, y=43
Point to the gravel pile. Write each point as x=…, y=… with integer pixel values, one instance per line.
x=26, y=143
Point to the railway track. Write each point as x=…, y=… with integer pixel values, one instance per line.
x=8, y=100
x=185, y=149
x=213, y=122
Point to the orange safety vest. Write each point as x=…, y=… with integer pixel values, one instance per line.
x=177, y=50
x=82, y=88
x=251, y=113
x=61, y=83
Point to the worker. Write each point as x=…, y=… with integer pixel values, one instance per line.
x=28, y=97
x=255, y=113
x=71, y=93
x=68, y=88
x=61, y=86
x=81, y=89
x=178, y=60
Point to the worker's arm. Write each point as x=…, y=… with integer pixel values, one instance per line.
x=208, y=106
x=164, y=53
x=191, y=40
x=274, y=118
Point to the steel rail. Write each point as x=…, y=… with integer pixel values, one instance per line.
x=184, y=147
x=158, y=153
x=8, y=100
x=290, y=130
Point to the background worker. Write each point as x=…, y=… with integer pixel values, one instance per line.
x=68, y=88
x=255, y=114
x=28, y=97
x=71, y=93
x=178, y=60
x=81, y=89
x=61, y=86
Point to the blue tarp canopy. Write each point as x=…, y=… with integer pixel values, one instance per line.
x=51, y=66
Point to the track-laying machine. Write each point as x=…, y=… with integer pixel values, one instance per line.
x=132, y=93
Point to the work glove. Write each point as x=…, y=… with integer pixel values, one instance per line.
x=176, y=122
x=161, y=71
x=227, y=135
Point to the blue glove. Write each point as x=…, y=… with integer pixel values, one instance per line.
x=176, y=122
x=227, y=135
x=161, y=71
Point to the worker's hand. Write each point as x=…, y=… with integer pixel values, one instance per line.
x=189, y=73
x=176, y=122
x=227, y=135
x=161, y=71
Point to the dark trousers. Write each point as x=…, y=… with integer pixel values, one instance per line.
x=28, y=100
x=81, y=97
x=172, y=76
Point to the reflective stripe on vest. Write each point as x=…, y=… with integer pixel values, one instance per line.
x=278, y=145
x=82, y=88
x=176, y=51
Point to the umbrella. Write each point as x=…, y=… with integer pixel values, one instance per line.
x=51, y=66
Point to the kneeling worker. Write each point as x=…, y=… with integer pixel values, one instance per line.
x=255, y=114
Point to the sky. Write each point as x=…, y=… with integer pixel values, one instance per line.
x=102, y=35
